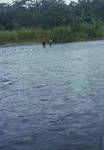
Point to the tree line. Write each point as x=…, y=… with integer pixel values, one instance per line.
x=38, y=20
x=48, y=14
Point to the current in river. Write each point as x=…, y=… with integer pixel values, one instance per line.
x=52, y=98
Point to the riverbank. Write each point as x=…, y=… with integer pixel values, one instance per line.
x=33, y=43
x=17, y=44
x=63, y=34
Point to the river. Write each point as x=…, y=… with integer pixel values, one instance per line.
x=52, y=98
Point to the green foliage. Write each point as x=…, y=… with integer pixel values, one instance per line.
x=58, y=34
x=37, y=20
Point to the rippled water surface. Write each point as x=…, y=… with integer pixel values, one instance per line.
x=52, y=98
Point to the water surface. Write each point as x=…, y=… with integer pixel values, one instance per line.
x=52, y=98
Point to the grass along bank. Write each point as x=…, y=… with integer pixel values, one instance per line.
x=60, y=34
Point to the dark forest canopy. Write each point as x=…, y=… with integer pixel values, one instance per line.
x=49, y=13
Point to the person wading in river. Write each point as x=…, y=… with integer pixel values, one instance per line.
x=50, y=42
x=44, y=44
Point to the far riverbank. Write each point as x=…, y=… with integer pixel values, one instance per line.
x=63, y=34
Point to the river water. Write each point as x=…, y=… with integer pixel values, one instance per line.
x=52, y=98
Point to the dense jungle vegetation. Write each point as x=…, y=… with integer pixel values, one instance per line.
x=37, y=20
